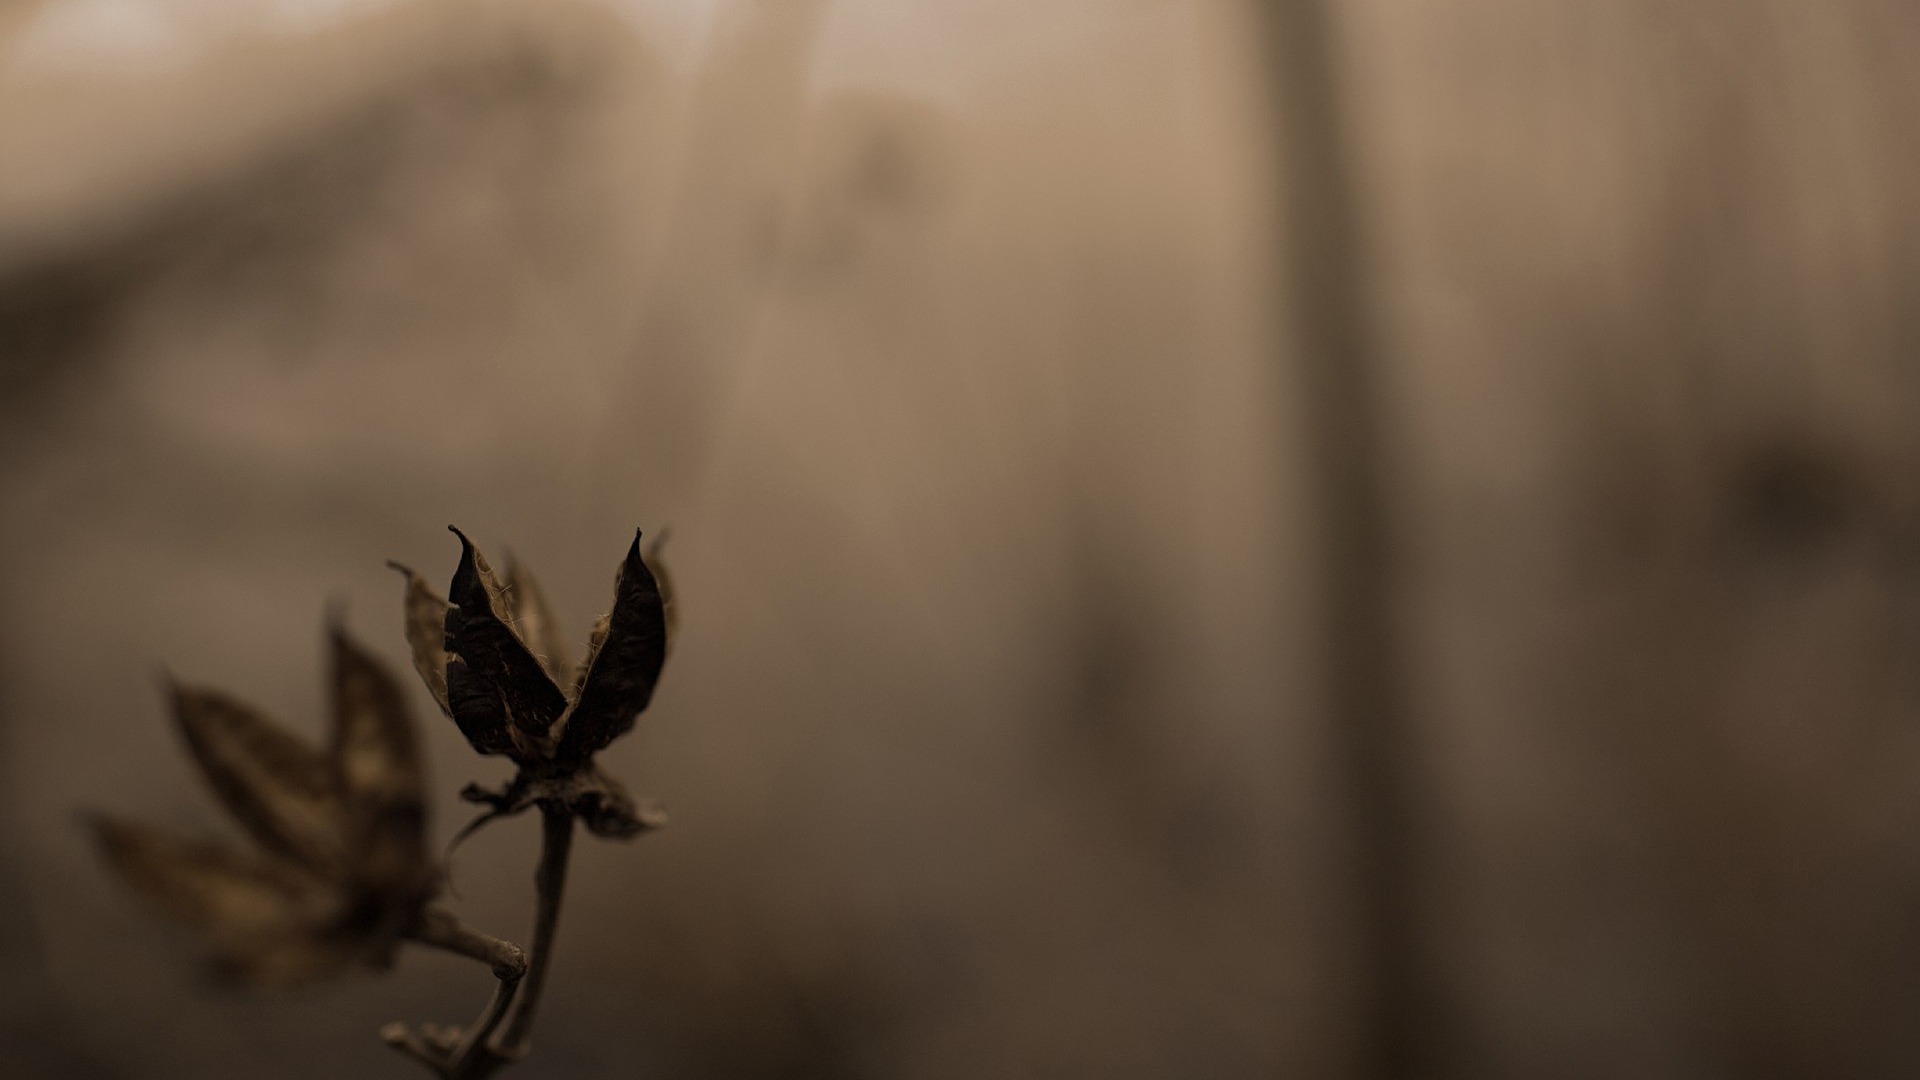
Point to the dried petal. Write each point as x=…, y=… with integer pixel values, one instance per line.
x=499, y=694
x=603, y=805
x=255, y=912
x=426, y=621
x=534, y=624
x=515, y=798
x=595, y=639
x=599, y=800
x=376, y=756
x=280, y=788
x=620, y=676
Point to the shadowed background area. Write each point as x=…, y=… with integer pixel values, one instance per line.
x=981, y=360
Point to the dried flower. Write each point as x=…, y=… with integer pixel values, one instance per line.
x=491, y=655
x=342, y=873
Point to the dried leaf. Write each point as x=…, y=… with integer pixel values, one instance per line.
x=499, y=694
x=534, y=624
x=252, y=910
x=280, y=788
x=426, y=623
x=376, y=756
x=596, y=638
x=619, y=680
x=603, y=805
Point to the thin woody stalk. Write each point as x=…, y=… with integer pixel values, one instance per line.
x=443, y=930
x=467, y=1058
x=509, y=965
x=522, y=976
x=550, y=882
x=473, y=1057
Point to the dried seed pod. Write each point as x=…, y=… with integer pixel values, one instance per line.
x=504, y=675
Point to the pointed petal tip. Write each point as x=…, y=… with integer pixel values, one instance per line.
x=181, y=694
x=471, y=560
x=97, y=822
x=344, y=644
x=177, y=695
x=106, y=832
x=336, y=617
x=340, y=640
x=115, y=835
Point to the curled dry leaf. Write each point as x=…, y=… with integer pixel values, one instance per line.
x=534, y=623
x=426, y=623
x=505, y=670
x=376, y=758
x=253, y=910
x=281, y=789
x=618, y=680
x=341, y=871
x=498, y=692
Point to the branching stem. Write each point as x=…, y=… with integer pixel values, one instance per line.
x=451, y=1053
x=477, y=1052
x=443, y=930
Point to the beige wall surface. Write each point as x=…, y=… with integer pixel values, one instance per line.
x=963, y=355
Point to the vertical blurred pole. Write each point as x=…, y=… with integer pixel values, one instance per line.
x=747, y=123
x=1327, y=329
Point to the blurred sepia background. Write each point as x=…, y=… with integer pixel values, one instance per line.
x=1357, y=539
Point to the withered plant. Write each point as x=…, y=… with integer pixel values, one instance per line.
x=341, y=873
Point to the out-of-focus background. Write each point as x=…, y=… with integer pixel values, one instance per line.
x=1216, y=539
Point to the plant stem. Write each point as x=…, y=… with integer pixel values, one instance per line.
x=477, y=1054
x=466, y=1059
x=549, y=882
x=443, y=930
x=473, y=1058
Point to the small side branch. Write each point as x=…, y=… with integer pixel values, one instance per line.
x=478, y=1051
x=442, y=930
x=450, y=1052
